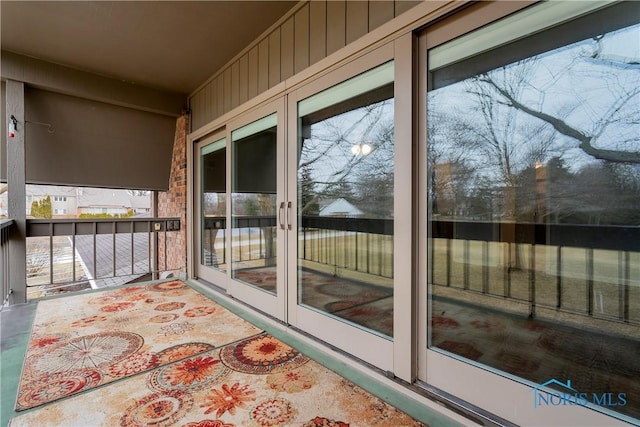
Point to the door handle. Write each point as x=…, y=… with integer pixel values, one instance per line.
x=289, y=215
x=280, y=215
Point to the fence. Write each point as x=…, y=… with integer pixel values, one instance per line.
x=591, y=270
x=586, y=269
x=102, y=252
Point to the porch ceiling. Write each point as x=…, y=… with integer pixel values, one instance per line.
x=169, y=45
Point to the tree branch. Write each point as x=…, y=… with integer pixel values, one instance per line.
x=586, y=141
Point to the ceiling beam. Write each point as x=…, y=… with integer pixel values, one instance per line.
x=69, y=81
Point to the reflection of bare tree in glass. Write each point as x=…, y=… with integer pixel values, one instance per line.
x=595, y=101
x=448, y=137
x=508, y=144
x=611, y=132
x=333, y=171
x=373, y=177
x=266, y=207
x=536, y=134
x=517, y=118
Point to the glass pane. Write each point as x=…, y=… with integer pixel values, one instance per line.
x=253, y=204
x=213, y=184
x=345, y=203
x=534, y=193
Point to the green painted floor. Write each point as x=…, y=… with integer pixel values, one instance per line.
x=15, y=329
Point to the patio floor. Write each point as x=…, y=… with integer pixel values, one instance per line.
x=17, y=322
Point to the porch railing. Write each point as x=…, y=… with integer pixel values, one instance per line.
x=5, y=265
x=591, y=270
x=361, y=245
x=66, y=253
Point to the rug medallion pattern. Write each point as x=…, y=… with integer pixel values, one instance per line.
x=258, y=381
x=93, y=339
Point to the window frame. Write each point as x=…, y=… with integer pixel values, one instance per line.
x=436, y=370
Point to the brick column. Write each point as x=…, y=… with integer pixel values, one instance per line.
x=173, y=203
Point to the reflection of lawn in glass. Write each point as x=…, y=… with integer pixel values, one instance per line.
x=347, y=253
x=334, y=253
x=607, y=269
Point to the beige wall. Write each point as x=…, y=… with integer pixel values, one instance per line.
x=313, y=31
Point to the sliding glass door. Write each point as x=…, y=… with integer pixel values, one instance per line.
x=258, y=209
x=342, y=269
x=310, y=234
x=532, y=184
x=211, y=206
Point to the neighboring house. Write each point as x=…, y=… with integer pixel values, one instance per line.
x=112, y=202
x=63, y=199
x=340, y=207
x=71, y=202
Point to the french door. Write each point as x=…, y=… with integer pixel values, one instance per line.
x=258, y=209
x=347, y=237
x=210, y=180
x=306, y=230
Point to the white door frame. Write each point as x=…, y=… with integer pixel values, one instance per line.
x=211, y=275
x=498, y=392
x=271, y=304
x=392, y=355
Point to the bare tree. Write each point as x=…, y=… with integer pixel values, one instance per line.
x=612, y=135
x=327, y=158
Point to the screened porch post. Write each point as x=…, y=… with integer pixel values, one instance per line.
x=16, y=193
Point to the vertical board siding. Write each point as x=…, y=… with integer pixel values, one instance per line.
x=197, y=112
x=316, y=30
x=209, y=100
x=263, y=65
x=226, y=97
x=253, y=72
x=202, y=105
x=357, y=20
x=301, y=39
x=235, y=84
x=244, y=78
x=336, y=25
x=380, y=12
x=274, y=58
x=402, y=6
x=286, y=53
x=220, y=95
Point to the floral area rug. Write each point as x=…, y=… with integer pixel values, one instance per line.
x=258, y=381
x=85, y=341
